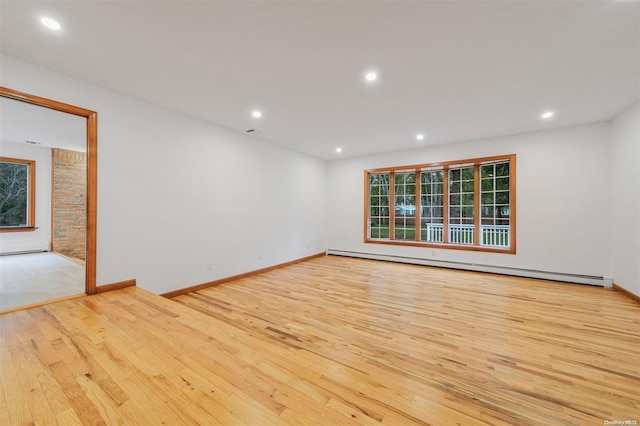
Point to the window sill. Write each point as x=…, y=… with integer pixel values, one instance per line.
x=18, y=229
x=446, y=246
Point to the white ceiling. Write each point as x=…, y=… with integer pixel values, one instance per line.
x=454, y=70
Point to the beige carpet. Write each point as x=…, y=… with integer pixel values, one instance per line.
x=31, y=278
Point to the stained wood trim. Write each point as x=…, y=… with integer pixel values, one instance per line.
x=626, y=293
x=447, y=246
x=443, y=164
x=92, y=201
x=115, y=286
x=445, y=204
x=512, y=202
x=367, y=207
x=186, y=290
x=92, y=171
x=418, y=212
x=392, y=206
x=477, y=220
x=44, y=102
x=31, y=205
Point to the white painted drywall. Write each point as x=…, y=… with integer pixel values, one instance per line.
x=176, y=193
x=625, y=199
x=562, y=200
x=42, y=157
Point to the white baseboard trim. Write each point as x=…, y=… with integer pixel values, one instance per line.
x=476, y=267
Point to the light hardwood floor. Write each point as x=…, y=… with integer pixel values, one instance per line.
x=36, y=277
x=329, y=341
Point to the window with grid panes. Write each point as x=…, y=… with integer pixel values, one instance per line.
x=461, y=205
x=405, y=205
x=457, y=204
x=17, y=194
x=495, y=204
x=431, y=205
x=379, y=207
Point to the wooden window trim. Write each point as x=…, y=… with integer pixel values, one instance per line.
x=445, y=165
x=31, y=202
x=418, y=212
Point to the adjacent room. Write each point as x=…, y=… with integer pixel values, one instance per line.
x=43, y=166
x=320, y=212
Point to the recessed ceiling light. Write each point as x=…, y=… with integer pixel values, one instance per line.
x=371, y=76
x=420, y=136
x=338, y=150
x=52, y=24
x=256, y=114
x=547, y=114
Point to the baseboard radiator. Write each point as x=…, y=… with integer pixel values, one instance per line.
x=503, y=270
x=22, y=247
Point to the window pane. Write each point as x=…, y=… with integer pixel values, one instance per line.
x=502, y=183
x=14, y=194
x=467, y=186
x=495, y=207
x=431, y=229
x=502, y=197
x=487, y=198
x=379, y=205
x=502, y=169
x=487, y=171
x=502, y=211
x=467, y=173
x=487, y=184
x=405, y=206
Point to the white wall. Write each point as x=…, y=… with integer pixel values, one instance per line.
x=176, y=193
x=625, y=199
x=562, y=200
x=42, y=156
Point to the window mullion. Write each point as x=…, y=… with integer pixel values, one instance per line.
x=418, y=203
x=445, y=204
x=392, y=206
x=476, y=205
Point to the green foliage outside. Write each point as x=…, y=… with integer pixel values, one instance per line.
x=13, y=194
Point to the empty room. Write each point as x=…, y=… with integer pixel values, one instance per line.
x=320, y=212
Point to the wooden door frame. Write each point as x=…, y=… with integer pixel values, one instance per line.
x=92, y=171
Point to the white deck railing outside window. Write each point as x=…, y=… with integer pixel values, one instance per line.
x=491, y=235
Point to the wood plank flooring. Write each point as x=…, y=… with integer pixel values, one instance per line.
x=329, y=341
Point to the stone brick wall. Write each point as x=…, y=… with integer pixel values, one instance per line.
x=69, y=202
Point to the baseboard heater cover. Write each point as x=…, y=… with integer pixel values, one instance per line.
x=476, y=267
x=24, y=247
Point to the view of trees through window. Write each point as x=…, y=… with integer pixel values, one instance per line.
x=14, y=192
x=462, y=203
